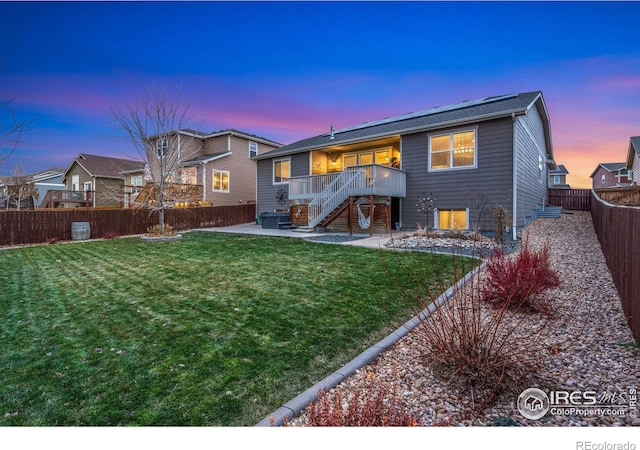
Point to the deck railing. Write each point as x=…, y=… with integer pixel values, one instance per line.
x=378, y=180
x=326, y=192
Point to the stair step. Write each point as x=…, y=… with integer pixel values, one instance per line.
x=304, y=229
x=286, y=225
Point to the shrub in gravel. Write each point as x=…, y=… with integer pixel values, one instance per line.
x=480, y=350
x=519, y=281
x=375, y=404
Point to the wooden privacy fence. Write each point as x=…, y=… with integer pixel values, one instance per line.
x=31, y=227
x=574, y=199
x=618, y=229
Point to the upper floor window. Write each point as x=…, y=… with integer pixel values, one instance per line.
x=161, y=147
x=281, y=170
x=220, y=180
x=87, y=186
x=604, y=179
x=455, y=150
x=253, y=149
x=136, y=180
x=556, y=179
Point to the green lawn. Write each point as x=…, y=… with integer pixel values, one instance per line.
x=210, y=330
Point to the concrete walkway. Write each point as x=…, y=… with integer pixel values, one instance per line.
x=360, y=240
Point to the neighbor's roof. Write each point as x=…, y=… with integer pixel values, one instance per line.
x=206, y=158
x=231, y=131
x=105, y=166
x=634, y=147
x=610, y=167
x=560, y=170
x=460, y=113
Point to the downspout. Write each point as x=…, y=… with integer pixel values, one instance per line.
x=514, y=212
x=94, y=187
x=204, y=181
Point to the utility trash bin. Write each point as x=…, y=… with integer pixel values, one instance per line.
x=272, y=220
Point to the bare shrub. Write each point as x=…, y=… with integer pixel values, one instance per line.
x=375, y=404
x=481, y=350
x=156, y=230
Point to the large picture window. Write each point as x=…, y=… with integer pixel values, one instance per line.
x=281, y=171
x=455, y=150
x=220, y=180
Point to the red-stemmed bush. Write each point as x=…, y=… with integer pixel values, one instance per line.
x=518, y=281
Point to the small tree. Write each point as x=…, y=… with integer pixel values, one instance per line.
x=19, y=186
x=154, y=125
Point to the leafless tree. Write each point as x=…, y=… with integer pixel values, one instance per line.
x=19, y=186
x=154, y=124
x=11, y=130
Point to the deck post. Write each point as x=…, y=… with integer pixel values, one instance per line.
x=371, y=206
x=350, y=215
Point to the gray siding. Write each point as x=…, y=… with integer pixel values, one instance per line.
x=266, y=195
x=531, y=180
x=455, y=189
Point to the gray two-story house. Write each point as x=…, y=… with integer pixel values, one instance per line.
x=468, y=157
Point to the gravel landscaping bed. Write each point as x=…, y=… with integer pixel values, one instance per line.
x=586, y=314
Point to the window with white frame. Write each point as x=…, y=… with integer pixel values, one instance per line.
x=604, y=179
x=87, y=186
x=136, y=180
x=556, y=179
x=75, y=183
x=161, y=147
x=630, y=174
x=253, y=149
x=220, y=180
x=451, y=219
x=281, y=171
x=456, y=150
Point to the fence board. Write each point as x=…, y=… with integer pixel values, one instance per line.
x=32, y=227
x=618, y=230
x=574, y=199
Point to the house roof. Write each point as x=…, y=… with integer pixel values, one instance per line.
x=485, y=108
x=560, y=170
x=634, y=147
x=105, y=166
x=609, y=167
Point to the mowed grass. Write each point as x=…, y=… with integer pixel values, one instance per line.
x=211, y=330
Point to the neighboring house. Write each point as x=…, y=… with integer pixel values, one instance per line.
x=92, y=181
x=611, y=175
x=498, y=147
x=633, y=159
x=48, y=180
x=220, y=162
x=558, y=178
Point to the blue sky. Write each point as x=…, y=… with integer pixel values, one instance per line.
x=289, y=70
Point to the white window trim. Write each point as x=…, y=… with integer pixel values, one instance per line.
x=436, y=217
x=213, y=177
x=273, y=171
x=162, y=145
x=85, y=184
x=450, y=134
x=604, y=178
x=253, y=153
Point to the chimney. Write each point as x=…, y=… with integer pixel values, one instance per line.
x=331, y=136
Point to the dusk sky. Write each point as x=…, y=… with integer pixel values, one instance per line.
x=289, y=70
